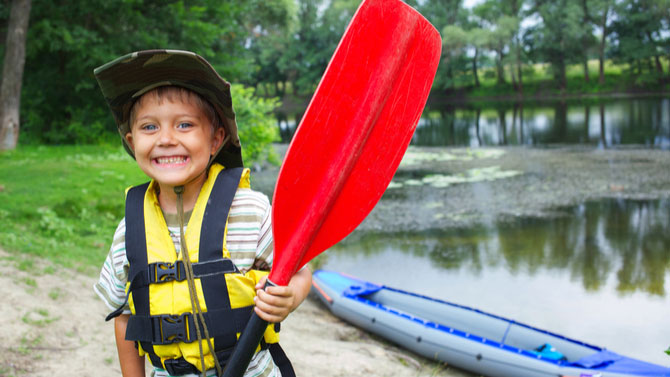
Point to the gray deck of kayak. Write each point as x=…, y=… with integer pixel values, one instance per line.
x=480, y=356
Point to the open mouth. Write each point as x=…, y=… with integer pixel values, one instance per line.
x=170, y=160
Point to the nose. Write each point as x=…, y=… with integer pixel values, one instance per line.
x=166, y=136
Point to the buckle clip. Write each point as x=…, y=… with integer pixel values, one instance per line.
x=179, y=367
x=172, y=328
x=166, y=271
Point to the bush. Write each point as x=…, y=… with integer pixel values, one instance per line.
x=257, y=125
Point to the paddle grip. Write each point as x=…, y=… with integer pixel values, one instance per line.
x=246, y=344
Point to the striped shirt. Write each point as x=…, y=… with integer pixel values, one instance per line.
x=248, y=239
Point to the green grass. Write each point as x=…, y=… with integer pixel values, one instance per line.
x=538, y=81
x=63, y=203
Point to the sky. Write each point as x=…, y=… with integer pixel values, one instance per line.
x=470, y=3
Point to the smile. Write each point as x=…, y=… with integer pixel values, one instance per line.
x=171, y=160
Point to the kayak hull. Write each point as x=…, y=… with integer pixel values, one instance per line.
x=465, y=337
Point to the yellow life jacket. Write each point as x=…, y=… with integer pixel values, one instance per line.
x=162, y=322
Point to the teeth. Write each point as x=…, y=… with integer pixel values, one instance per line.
x=171, y=160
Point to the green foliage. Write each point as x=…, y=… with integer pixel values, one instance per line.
x=61, y=103
x=298, y=57
x=257, y=128
x=284, y=46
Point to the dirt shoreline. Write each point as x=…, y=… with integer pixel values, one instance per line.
x=54, y=324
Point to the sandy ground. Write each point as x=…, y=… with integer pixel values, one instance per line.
x=53, y=325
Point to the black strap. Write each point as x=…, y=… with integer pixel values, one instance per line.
x=180, y=367
x=168, y=328
x=136, y=252
x=213, y=228
x=281, y=360
x=163, y=272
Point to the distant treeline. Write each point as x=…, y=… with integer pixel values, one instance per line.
x=282, y=47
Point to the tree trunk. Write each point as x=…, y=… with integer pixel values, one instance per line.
x=659, y=66
x=561, y=76
x=657, y=59
x=519, y=66
x=499, y=67
x=585, y=42
x=474, y=67
x=586, y=69
x=12, y=73
x=522, y=140
x=603, y=136
x=601, y=50
x=478, y=114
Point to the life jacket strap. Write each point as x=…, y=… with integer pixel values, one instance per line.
x=168, y=328
x=180, y=367
x=163, y=272
x=281, y=360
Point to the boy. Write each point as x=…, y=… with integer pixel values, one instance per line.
x=181, y=293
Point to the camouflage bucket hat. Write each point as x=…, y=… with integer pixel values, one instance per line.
x=125, y=79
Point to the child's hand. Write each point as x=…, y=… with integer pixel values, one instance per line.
x=275, y=303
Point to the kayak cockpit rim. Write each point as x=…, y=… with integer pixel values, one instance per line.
x=365, y=298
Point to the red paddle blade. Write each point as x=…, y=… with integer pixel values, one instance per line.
x=354, y=132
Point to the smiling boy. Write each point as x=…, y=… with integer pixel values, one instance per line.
x=182, y=274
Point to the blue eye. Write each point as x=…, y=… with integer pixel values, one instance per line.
x=149, y=127
x=184, y=125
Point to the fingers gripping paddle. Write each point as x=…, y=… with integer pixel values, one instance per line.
x=350, y=141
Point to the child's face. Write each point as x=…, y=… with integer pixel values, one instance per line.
x=173, y=141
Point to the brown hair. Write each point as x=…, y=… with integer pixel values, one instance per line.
x=177, y=93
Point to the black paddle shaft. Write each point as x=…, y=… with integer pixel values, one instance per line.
x=246, y=344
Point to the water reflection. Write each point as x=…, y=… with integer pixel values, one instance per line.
x=591, y=243
x=601, y=123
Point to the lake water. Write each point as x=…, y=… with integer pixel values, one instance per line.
x=601, y=123
x=598, y=272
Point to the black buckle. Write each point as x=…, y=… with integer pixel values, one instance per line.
x=171, y=329
x=179, y=367
x=166, y=271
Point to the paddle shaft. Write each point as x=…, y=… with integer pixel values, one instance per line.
x=247, y=344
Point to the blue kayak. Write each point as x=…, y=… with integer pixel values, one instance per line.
x=469, y=338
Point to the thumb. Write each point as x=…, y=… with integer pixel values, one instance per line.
x=261, y=283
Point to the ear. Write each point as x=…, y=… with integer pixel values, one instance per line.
x=129, y=140
x=217, y=139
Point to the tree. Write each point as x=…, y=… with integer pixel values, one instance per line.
x=558, y=37
x=477, y=39
x=601, y=14
x=454, y=40
x=445, y=13
x=12, y=74
x=586, y=37
x=640, y=35
x=501, y=30
x=61, y=101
